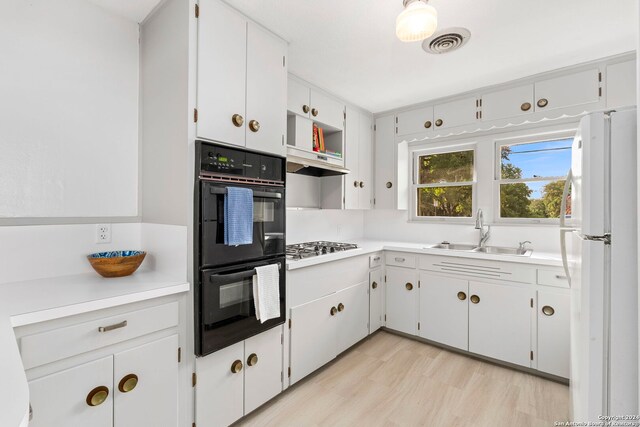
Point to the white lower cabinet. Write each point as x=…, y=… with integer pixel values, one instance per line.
x=376, y=300
x=444, y=310
x=553, y=332
x=135, y=387
x=402, y=299
x=60, y=399
x=353, y=315
x=500, y=322
x=237, y=379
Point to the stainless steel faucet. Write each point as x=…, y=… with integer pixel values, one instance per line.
x=485, y=230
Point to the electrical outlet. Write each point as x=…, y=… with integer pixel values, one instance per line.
x=103, y=233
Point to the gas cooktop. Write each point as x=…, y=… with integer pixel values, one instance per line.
x=310, y=249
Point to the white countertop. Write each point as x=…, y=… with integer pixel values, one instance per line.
x=370, y=246
x=33, y=301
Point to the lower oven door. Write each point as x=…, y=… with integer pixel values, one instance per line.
x=227, y=306
x=268, y=225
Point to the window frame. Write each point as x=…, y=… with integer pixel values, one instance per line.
x=498, y=180
x=416, y=152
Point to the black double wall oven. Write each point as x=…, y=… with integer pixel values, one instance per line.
x=224, y=305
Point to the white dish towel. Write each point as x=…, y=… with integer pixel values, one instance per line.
x=266, y=292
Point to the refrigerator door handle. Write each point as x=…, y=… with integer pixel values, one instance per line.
x=563, y=225
x=563, y=251
x=563, y=202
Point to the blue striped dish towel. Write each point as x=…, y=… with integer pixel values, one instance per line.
x=238, y=216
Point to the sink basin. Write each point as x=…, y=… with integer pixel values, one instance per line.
x=496, y=250
x=455, y=246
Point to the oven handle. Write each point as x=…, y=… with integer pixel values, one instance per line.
x=263, y=194
x=236, y=276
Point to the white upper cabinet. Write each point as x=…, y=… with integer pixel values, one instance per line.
x=266, y=91
x=352, y=160
x=569, y=90
x=621, y=84
x=414, y=121
x=365, y=161
x=315, y=105
x=512, y=102
x=326, y=110
x=243, y=102
x=391, y=167
x=298, y=98
x=455, y=113
x=222, y=35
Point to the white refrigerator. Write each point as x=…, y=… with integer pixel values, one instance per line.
x=599, y=248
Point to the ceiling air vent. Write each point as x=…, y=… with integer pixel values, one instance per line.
x=447, y=40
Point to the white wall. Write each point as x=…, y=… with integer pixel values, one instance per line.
x=391, y=225
x=324, y=224
x=68, y=110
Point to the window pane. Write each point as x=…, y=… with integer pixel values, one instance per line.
x=537, y=159
x=445, y=167
x=541, y=199
x=445, y=201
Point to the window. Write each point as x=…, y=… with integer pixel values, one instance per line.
x=531, y=177
x=445, y=183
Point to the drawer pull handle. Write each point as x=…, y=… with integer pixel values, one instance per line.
x=547, y=310
x=377, y=258
x=252, y=360
x=236, y=367
x=474, y=299
x=561, y=277
x=462, y=296
x=112, y=327
x=97, y=396
x=409, y=286
x=374, y=285
x=399, y=259
x=128, y=383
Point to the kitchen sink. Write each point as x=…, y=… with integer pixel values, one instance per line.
x=454, y=246
x=497, y=250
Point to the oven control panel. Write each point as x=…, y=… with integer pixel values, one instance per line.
x=216, y=159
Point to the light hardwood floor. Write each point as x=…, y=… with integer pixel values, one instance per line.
x=388, y=380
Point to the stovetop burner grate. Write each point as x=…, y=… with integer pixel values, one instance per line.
x=310, y=249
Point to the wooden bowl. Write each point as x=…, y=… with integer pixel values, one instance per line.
x=116, y=263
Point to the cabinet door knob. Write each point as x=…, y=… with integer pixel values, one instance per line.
x=427, y=124
x=462, y=296
x=474, y=299
x=409, y=286
x=361, y=184
x=439, y=122
x=333, y=311
x=314, y=112
x=237, y=120
x=254, y=125
x=374, y=285
x=252, y=360
x=389, y=184
x=341, y=307
x=526, y=106
x=97, y=396
x=128, y=383
x=543, y=102
x=305, y=109
x=547, y=310
x=236, y=367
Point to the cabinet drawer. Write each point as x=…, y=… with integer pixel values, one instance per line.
x=400, y=260
x=552, y=278
x=71, y=340
x=375, y=260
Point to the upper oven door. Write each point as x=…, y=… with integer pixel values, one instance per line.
x=268, y=225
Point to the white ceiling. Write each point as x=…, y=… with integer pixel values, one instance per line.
x=349, y=47
x=134, y=10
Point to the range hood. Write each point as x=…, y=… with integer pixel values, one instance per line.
x=311, y=163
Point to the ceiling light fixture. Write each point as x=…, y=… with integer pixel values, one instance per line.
x=417, y=21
